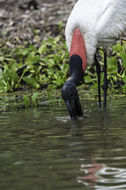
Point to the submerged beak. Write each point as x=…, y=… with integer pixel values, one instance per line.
x=71, y=98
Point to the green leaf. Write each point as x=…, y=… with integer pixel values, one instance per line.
x=42, y=49
x=26, y=101
x=34, y=98
x=88, y=79
x=1, y=74
x=1, y=58
x=24, y=52
x=124, y=79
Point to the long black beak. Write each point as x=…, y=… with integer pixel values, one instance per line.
x=71, y=98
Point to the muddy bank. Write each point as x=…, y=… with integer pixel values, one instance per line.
x=32, y=25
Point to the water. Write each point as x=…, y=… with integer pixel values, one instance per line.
x=42, y=149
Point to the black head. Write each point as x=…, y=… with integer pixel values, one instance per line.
x=71, y=98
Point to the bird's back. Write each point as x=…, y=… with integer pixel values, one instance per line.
x=112, y=23
x=99, y=21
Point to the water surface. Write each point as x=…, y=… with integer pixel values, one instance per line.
x=42, y=149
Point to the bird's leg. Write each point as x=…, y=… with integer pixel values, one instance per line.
x=105, y=85
x=98, y=71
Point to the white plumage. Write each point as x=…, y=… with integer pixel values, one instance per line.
x=100, y=22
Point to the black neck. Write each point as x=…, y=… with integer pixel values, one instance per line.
x=76, y=70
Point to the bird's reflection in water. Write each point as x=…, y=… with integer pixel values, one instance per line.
x=101, y=176
x=102, y=164
x=90, y=173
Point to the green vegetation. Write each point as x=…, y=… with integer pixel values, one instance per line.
x=116, y=69
x=28, y=66
x=46, y=67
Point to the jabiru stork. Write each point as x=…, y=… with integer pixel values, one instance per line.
x=91, y=24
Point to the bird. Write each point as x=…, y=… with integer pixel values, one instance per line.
x=31, y=4
x=91, y=24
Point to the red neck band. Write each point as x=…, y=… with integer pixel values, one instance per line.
x=78, y=46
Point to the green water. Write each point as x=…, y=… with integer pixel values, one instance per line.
x=42, y=149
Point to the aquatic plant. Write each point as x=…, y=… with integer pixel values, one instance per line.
x=28, y=66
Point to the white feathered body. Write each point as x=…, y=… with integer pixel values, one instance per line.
x=100, y=22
